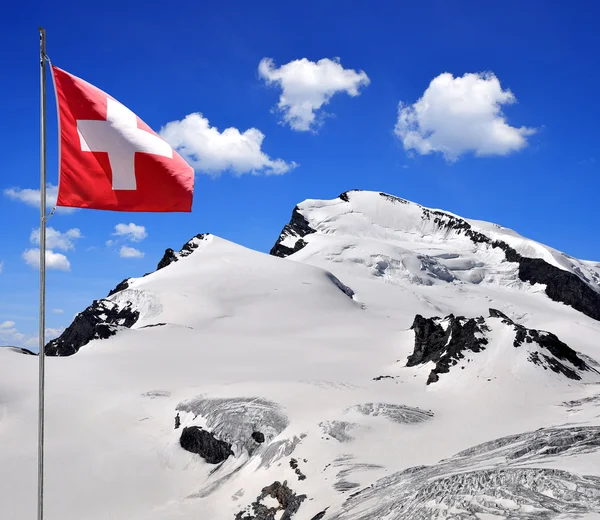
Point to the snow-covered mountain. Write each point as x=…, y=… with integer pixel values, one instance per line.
x=385, y=361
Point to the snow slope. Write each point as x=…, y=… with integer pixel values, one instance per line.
x=311, y=351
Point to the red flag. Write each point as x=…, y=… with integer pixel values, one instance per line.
x=110, y=159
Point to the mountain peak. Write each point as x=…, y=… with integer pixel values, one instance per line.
x=395, y=239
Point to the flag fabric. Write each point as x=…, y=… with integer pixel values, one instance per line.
x=110, y=159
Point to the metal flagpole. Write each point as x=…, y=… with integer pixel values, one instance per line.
x=41, y=355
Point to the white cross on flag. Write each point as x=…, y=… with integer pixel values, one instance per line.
x=110, y=159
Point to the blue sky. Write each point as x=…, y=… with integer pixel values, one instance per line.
x=538, y=174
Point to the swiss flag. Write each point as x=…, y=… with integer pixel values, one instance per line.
x=110, y=159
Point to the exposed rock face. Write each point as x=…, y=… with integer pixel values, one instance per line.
x=100, y=320
x=561, y=286
x=120, y=287
x=558, y=350
x=258, y=437
x=446, y=341
x=171, y=256
x=204, y=443
x=445, y=346
x=288, y=504
x=297, y=228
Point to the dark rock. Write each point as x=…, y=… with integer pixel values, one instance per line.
x=445, y=347
x=197, y=440
x=151, y=325
x=120, y=287
x=298, y=227
x=168, y=258
x=288, y=501
x=497, y=314
x=100, y=320
x=187, y=249
x=560, y=352
x=393, y=198
x=379, y=378
x=297, y=470
x=319, y=516
x=258, y=437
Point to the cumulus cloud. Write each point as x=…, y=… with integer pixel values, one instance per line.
x=130, y=252
x=32, y=197
x=461, y=115
x=209, y=151
x=58, y=311
x=130, y=231
x=7, y=325
x=55, y=239
x=306, y=86
x=56, y=261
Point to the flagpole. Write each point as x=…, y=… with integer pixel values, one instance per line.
x=42, y=320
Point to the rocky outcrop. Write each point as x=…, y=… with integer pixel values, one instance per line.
x=100, y=320
x=187, y=249
x=558, y=351
x=288, y=504
x=120, y=287
x=444, y=342
x=294, y=231
x=204, y=443
x=447, y=341
x=258, y=437
x=561, y=286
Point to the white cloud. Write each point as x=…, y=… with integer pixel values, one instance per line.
x=130, y=231
x=9, y=334
x=460, y=115
x=55, y=239
x=1, y=267
x=32, y=197
x=307, y=86
x=56, y=261
x=130, y=252
x=58, y=311
x=209, y=151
